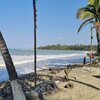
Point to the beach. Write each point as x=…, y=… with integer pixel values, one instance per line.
x=59, y=76
x=46, y=53
x=85, y=84
x=24, y=62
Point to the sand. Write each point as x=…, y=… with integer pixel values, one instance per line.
x=86, y=85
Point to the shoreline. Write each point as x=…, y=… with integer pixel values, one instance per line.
x=40, y=69
x=86, y=84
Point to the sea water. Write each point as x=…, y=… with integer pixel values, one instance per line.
x=24, y=60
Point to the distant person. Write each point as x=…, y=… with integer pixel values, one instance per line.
x=91, y=58
x=84, y=60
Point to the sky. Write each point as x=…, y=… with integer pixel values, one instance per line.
x=56, y=23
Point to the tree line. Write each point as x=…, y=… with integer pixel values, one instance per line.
x=68, y=47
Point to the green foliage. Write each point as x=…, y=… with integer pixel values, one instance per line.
x=88, y=54
x=91, y=2
x=83, y=13
x=98, y=58
x=68, y=47
x=89, y=13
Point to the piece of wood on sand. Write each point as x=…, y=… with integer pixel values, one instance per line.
x=67, y=70
x=17, y=91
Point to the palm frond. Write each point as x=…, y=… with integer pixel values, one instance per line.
x=80, y=10
x=91, y=8
x=96, y=4
x=90, y=20
x=92, y=27
x=84, y=13
x=91, y=2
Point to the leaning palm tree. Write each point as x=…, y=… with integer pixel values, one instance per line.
x=16, y=87
x=91, y=14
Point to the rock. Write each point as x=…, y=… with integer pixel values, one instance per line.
x=5, y=91
x=31, y=92
x=27, y=93
x=57, y=81
x=46, y=86
x=69, y=86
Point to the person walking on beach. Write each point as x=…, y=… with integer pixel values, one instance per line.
x=84, y=60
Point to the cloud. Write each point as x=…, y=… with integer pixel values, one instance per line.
x=61, y=38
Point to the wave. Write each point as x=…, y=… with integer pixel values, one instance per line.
x=26, y=63
x=28, y=59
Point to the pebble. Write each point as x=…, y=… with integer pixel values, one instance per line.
x=46, y=86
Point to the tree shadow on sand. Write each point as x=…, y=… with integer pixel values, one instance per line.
x=74, y=80
x=89, y=85
x=96, y=76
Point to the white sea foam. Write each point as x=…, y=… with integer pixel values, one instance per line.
x=25, y=65
x=28, y=59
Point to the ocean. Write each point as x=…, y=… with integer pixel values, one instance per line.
x=24, y=60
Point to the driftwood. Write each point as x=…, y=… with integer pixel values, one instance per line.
x=17, y=91
x=67, y=70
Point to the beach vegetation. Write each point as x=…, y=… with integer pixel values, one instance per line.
x=68, y=47
x=90, y=14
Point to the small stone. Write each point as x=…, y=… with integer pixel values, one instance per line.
x=69, y=86
x=46, y=86
x=27, y=93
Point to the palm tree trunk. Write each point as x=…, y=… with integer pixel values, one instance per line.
x=18, y=93
x=7, y=58
x=98, y=39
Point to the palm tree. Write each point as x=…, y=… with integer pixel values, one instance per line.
x=91, y=14
x=7, y=58
x=16, y=87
